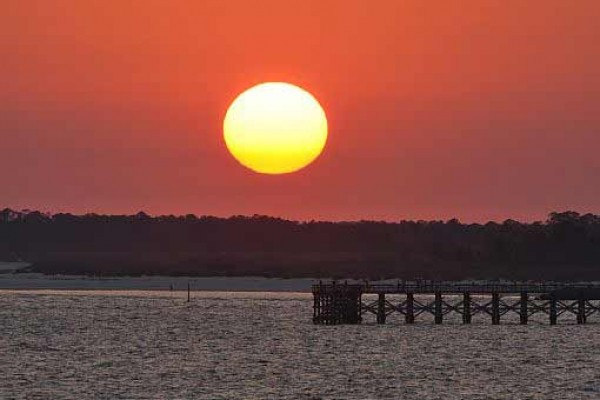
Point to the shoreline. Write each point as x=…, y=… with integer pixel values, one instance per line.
x=36, y=281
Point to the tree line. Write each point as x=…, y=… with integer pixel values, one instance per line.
x=564, y=247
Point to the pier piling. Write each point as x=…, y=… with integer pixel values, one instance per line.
x=438, y=308
x=410, y=308
x=553, y=314
x=581, y=314
x=466, y=308
x=495, y=308
x=381, y=308
x=524, y=308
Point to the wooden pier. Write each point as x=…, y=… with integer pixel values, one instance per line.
x=343, y=303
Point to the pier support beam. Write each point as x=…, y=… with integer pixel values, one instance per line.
x=410, y=308
x=524, y=312
x=553, y=315
x=327, y=309
x=381, y=308
x=581, y=316
x=438, y=315
x=466, y=308
x=358, y=305
x=495, y=309
x=337, y=306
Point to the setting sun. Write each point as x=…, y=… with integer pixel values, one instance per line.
x=275, y=128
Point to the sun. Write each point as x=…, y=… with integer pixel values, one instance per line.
x=275, y=128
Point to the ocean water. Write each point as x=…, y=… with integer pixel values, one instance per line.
x=155, y=345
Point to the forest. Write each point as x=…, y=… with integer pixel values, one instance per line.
x=564, y=247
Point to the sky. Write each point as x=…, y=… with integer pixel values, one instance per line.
x=477, y=110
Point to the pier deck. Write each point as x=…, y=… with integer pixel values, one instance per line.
x=343, y=303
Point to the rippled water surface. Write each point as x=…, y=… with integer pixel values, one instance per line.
x=155, y=345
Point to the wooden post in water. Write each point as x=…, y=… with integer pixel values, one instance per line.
x=438, y=307
x=524, y=312
x=188, y=292
x=359, y=306
x=495, y=308
x=466, y=308
x=410, y=308
x=319, y=304
x=334, y=308
x=327, y=308
x=381, y=308
x=553, y=314
x=316, y=301
x=324, y=309
x=333, y=305
x=581, y=315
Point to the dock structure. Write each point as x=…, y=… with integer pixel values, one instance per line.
x=343, y=303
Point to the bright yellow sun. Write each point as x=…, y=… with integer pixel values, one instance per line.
x=275, y=128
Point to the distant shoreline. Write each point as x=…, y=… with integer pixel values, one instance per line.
x=38, y=281
x=33, y=281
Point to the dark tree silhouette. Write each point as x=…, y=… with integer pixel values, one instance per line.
x=565, y=247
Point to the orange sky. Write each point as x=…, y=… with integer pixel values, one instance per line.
x=472, y=109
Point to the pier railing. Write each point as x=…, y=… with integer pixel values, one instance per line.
x=452, y=287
